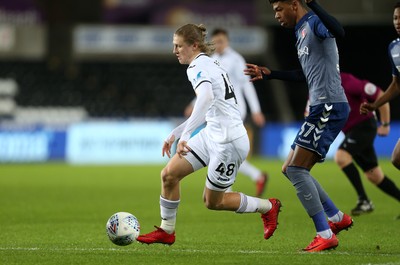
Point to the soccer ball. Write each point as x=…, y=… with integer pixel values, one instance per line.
x=122, y=228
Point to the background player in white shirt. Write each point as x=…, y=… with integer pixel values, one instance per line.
x=234, y=64
x=222, y=145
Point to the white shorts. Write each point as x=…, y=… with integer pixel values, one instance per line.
x=223, y=159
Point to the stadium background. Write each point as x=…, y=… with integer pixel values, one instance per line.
x=96, y=81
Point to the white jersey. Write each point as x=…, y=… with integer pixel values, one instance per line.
x=224, y=123
x=235, y=64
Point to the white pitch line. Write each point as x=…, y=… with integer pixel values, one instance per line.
x=194, y=251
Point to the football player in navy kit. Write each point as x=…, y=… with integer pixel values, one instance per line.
x=394, y=88
x=317, y=51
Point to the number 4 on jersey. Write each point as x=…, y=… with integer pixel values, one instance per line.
x=229, y=91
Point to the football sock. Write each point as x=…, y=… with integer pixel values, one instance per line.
x=306, y=190
x=330, y=208
x=354, y=177
x=321, y=225
x=323, y=196
x=249, y=204
x=389, y=187
x=168, y=211
x=325, y=234
x=337, y=217
x=249, y=170
x=332, y=211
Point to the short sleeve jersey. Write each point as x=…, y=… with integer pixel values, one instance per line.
x=357, y=92
x=319, y=58
x=394, y=55
x=224, y=123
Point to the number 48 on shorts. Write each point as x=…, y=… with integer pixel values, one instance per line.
x=224, y=170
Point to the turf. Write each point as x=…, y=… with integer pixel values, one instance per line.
x=56, y=214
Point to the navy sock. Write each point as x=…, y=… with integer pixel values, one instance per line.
x=330, y=208
x=320, y=222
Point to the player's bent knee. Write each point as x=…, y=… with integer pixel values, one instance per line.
x=374, y=178
x=342, y=159
x=168, y=178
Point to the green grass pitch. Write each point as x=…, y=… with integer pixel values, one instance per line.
x=56, y=214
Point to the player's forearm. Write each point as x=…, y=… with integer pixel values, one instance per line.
x=294, y=76
x=384, y=111
x=177, y=132
x=392, y=91
x=330, y=22
x=384, y=114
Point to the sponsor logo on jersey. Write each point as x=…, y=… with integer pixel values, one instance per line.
x=302, y=51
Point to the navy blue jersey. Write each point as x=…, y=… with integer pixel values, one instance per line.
x=319, y=59
x=394, y=55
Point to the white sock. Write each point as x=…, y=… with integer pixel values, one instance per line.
x=168, y=211
x=337, y=217
x=249, y=204
x=168, y=225
x=249, y=170
x=325, y=234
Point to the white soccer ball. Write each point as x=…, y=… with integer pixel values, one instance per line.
x=122, y=228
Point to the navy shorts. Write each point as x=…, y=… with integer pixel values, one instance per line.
x=321, y=127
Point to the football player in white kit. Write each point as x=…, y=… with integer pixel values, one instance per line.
x=234, y=64
x=222, y=145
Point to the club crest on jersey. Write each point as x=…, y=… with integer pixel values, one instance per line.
x=303, y=33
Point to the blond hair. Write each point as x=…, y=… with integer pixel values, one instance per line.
x=192, y=34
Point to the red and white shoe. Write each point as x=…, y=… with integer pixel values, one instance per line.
x=320, y=244
x=345, y=224
x=157, y=236
x=270, y=218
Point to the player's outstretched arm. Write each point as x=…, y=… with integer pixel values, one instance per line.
x=259, y=72
x=392, y=91
x=330, y=22
x=256, y=72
